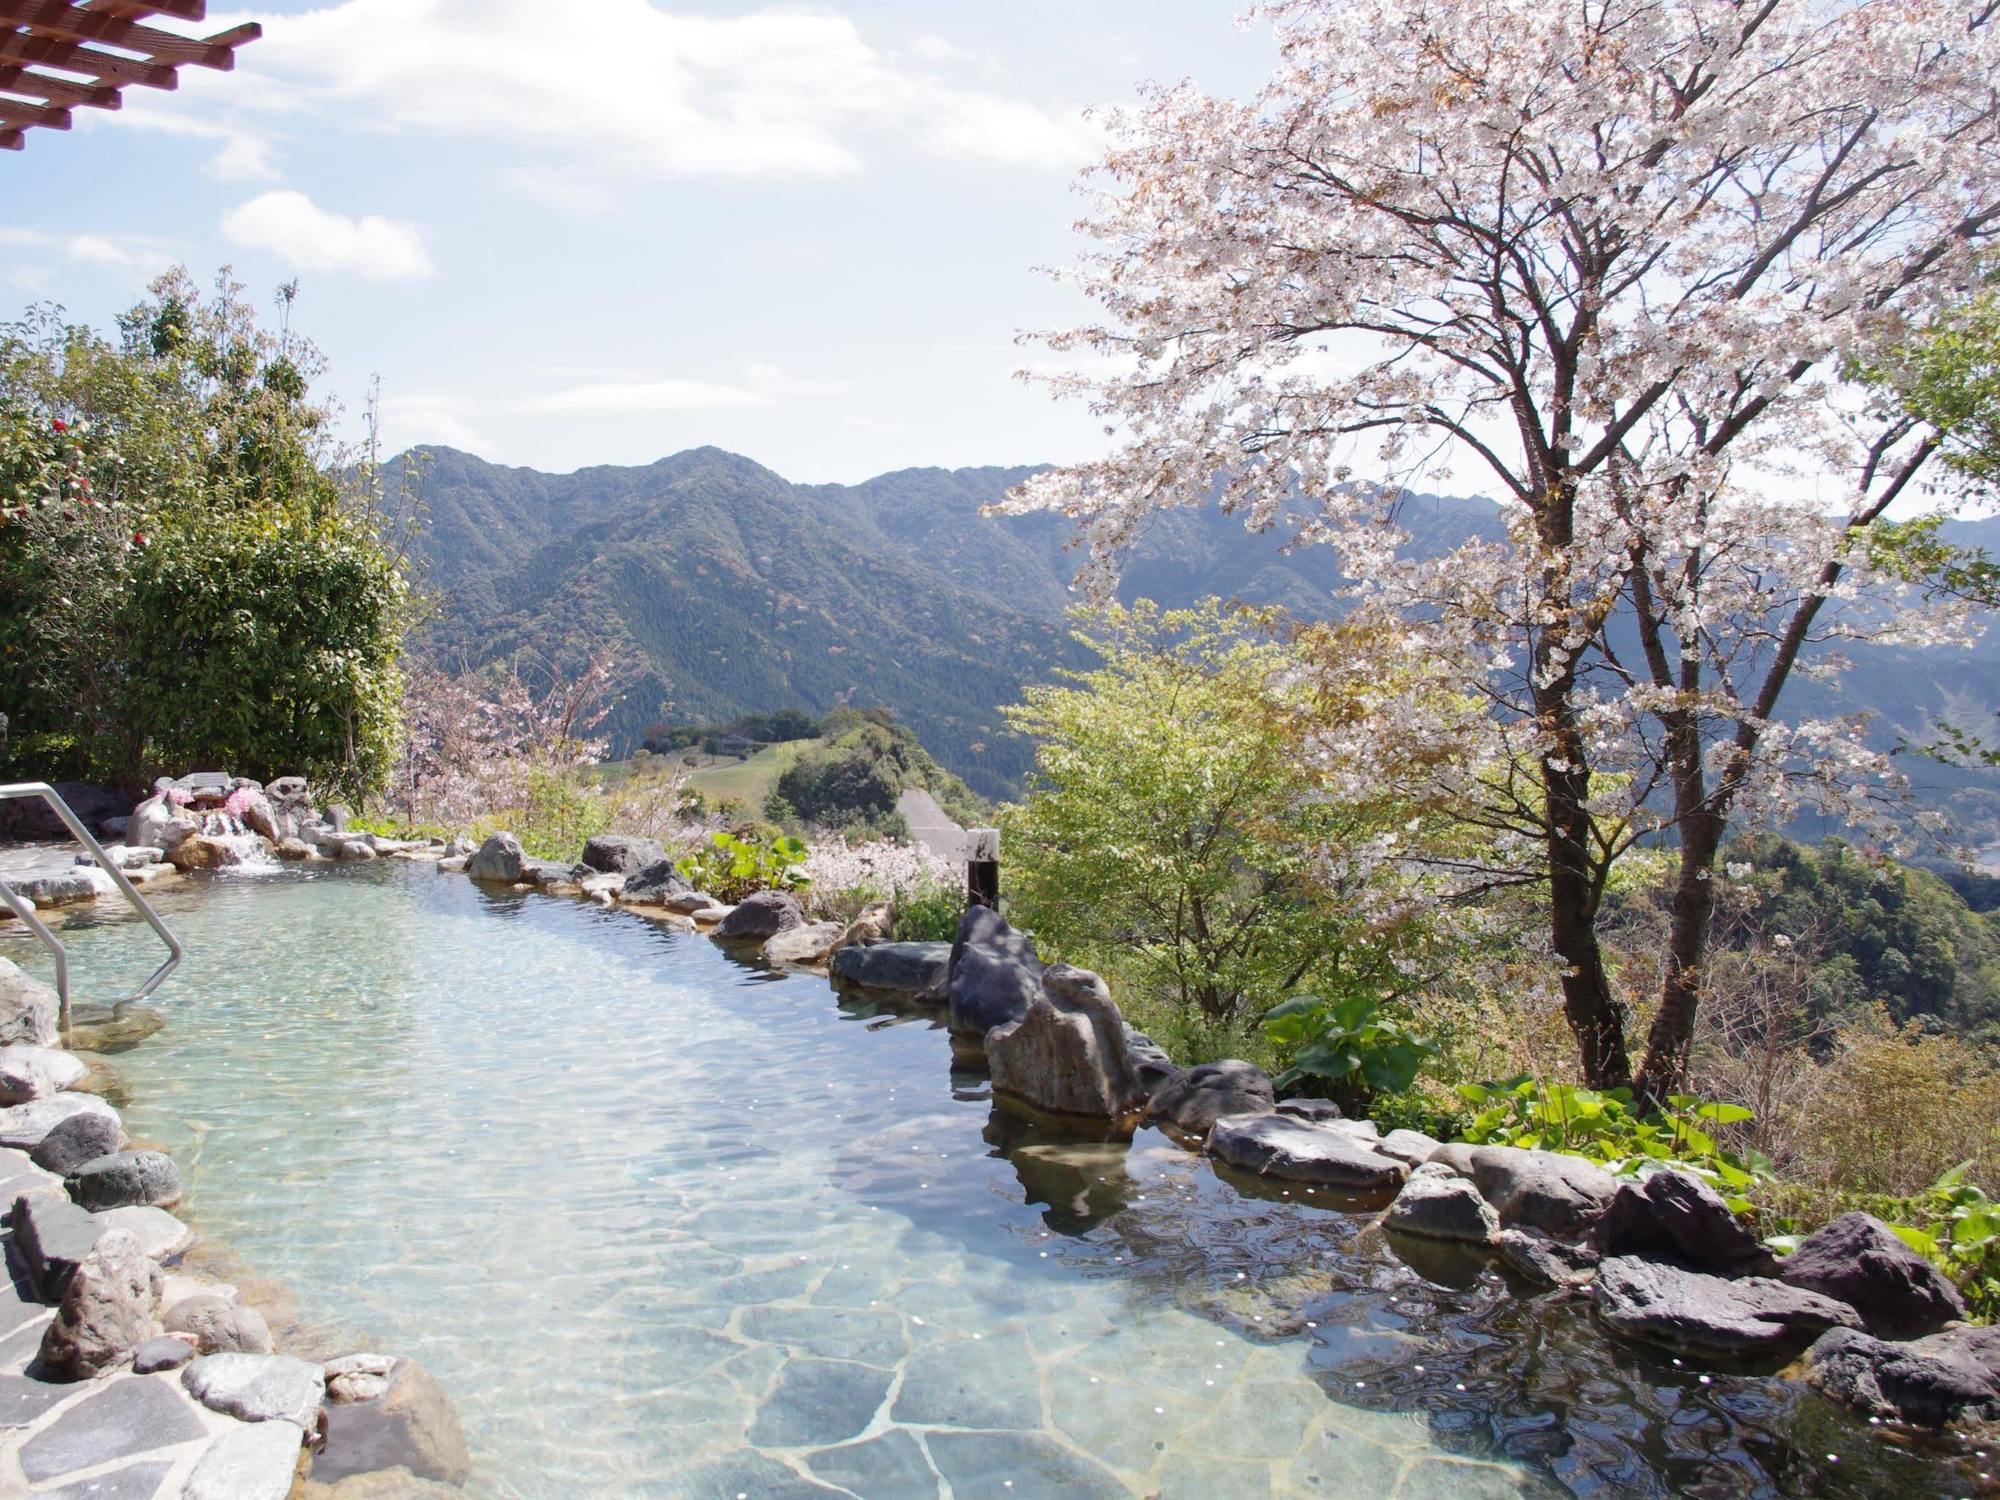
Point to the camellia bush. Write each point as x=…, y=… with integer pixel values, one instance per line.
x=186, y=578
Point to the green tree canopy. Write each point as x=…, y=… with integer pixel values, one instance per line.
x=184, y=581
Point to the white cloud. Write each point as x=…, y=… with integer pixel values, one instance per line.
x=299, y=232
x=136, y=253
x=430, y=418
x=763, y=385
x=621, y=84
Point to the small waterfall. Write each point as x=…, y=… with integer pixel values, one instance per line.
x=247, y=853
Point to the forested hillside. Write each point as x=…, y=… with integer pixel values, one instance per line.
x=731, y=590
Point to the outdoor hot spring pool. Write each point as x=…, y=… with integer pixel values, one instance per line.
x=664, y=1224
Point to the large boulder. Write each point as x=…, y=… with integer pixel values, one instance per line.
x=1193, y=1101
x=1858, y=1259
x=31, y=820
x=1437, y=1204
x=1536, y=1258
x=762, y=916
x=1067, y=1055
x=905, y=968
x=106, y=1312
x=1554, y=1192
x=28, y=1072
x=1291, y=1150
x=29, y=1009
x=995, y=975
x=655, y=884
x=1151, y=1067
x=499, y=861
x=410, y=1424
x=58, y=887
x=808, y=943
x=1942, y=1377
x=290, y=801
x=24, y=1126
x=621, y=853
x=53, y=1237
x=125, y=1178
x=1692, y=1312
x=78, y=1139
x=1674, y=1214
x=148, y=823
x=874, y=923
x=219, y=1326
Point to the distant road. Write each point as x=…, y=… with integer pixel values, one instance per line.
x=930, y=825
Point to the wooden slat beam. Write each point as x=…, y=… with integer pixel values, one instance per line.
x=46, y=52
x=57, y=18
x=15, y=80
x=11, y=140
x=138, y=10
x=33, y=114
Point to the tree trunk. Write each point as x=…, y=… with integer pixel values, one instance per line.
x=1701, y=825
x=1593, y=1012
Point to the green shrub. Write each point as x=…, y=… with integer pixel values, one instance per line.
x=929, y=915
x=734, y=866
x=1349, y=1050
x=1603, y=1127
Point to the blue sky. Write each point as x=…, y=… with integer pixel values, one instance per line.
x=567, y=232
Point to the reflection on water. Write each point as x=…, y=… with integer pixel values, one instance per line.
x=665, y=1225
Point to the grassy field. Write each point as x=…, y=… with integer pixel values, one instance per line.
x=748, y=781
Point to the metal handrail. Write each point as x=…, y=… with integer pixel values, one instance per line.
x=26, y=912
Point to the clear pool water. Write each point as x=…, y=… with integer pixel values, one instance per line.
x=666, y=1225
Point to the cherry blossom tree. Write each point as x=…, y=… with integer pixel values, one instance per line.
x=1614, y=261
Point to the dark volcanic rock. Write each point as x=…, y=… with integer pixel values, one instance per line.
x=1321, y=1110
x=621, y=853
x=995, y=975
x=1857, y=1259
x=1671, y=1213
x=1941, y=1378
x=79, y=1139
x=654, y=884
x=907, y=968
x=499, y=861
x=1067, y=1055
x=1546, y=1190
x=1437, y=1204
x=127, y=1177
x=1273, y=1145
x=162, y=1353
x=1693, y=1312
x=1193, y=1101
x=761, y=916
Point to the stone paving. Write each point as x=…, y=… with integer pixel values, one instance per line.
x=125, y=1436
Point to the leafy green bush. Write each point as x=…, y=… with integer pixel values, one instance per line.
x=1350, y=1050
x=929, y=915
x=734, y=866
x=1602, y=1126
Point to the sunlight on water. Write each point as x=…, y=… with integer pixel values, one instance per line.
x=664, y=1225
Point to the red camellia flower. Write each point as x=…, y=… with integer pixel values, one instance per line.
x=138, y=538
x=60, y=425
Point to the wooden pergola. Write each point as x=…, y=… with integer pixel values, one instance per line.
x=56, y=57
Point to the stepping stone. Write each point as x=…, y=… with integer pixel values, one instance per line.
x=258, y=1462
x=891, y=1464
x=257, y=1387
x=819, y=1401
x=23, y=1126
x=21, y=1178
x=23, y=1400
x=133, y=1414
x=139, y=1481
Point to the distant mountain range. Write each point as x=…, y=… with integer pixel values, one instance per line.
x=733, y=590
